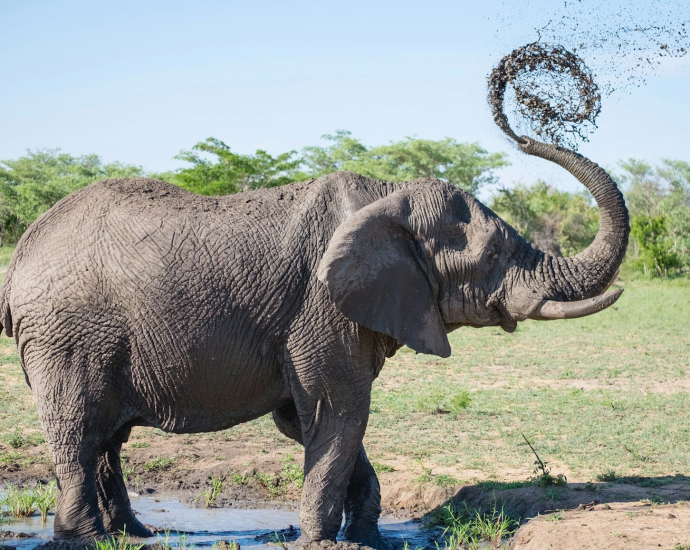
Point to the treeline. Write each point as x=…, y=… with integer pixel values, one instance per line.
x=559, y=222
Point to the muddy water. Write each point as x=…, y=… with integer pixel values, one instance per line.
x=208, y=525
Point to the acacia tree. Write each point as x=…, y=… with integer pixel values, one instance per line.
x=216, y=170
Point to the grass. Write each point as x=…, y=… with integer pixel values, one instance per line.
x=465, y=527
x=212, y=492
x=606, y=393
x=166, y=543
x=159, y=464
x=381, y=468
x=21, y=502
x=121, y=542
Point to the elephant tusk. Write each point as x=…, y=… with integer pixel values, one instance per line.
x=551, y=309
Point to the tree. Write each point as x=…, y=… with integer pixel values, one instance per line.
x=466, y=165
x=30, y=185
x=659, y=193
x=558, y=222
x=231, y=172
x=656, y=249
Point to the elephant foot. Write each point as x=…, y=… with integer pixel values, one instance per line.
x=134, y=528
x=80, y=535
x=80, y=542
x=370, y=538
x=303, y=543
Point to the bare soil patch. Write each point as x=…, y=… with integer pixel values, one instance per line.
x=616, y=526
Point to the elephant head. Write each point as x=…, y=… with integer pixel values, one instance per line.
x=428, y=258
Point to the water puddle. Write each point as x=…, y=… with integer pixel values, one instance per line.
x=205, y=526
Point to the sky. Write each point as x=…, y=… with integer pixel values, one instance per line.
x=139, y=81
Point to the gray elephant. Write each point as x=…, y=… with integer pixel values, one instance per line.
x=136, y=303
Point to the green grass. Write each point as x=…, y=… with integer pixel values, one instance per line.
x=381, y=468
x=20, y=502
x=209, y=495
x=592, y=395
x=121, y=542
x=465, y=527
x=159, y=464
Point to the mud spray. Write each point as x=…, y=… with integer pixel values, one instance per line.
x=555, y=96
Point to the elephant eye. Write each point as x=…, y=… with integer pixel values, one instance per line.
x=493, y=257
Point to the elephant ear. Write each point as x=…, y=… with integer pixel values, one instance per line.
x=376, y=276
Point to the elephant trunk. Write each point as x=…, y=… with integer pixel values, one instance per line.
x=564, y=280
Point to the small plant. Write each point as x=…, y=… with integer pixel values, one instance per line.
x=158, y=464
x=445, y=480
x=163, y=542
x=223, y=545
x=122, y=542
x=20, y=502
x=127, y=470
x=211, y=494
x=239, y=479
x=380, y=468
x=558, y=516
x=45, y=498
x=182, y=543
x=465, y=527
x=139, y=445
x=292, y=473
x=459, y=402
x=542, y=475
x=425, y=477
x=442, y=480
x=442, y=401
x=607, y=476
x=279, y=541
x=15, y=440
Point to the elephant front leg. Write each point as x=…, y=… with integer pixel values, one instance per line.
x=332, y=437
x=363, y=505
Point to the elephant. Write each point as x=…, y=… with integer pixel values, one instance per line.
x=133, y=302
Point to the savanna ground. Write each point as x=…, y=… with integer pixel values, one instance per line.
x=604, y=401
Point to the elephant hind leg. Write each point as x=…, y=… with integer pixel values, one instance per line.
x=79, y=407
x=113, y=499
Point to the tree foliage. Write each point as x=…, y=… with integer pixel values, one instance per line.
x=656, y=254
x=31, y=184
x=228, y=172
x=466, y=165
x=658, y=198
x=558, y=222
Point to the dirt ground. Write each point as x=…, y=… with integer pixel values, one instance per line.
x=609, y=526
x=645, y=512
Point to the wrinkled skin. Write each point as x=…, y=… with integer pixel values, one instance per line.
x=135, y=303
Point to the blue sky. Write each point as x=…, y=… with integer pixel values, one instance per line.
x=139, y=81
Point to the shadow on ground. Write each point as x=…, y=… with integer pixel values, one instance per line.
x=524, y=500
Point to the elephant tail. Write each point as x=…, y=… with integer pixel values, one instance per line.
x=5, y=313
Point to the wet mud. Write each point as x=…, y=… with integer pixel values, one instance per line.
x=551, y=89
